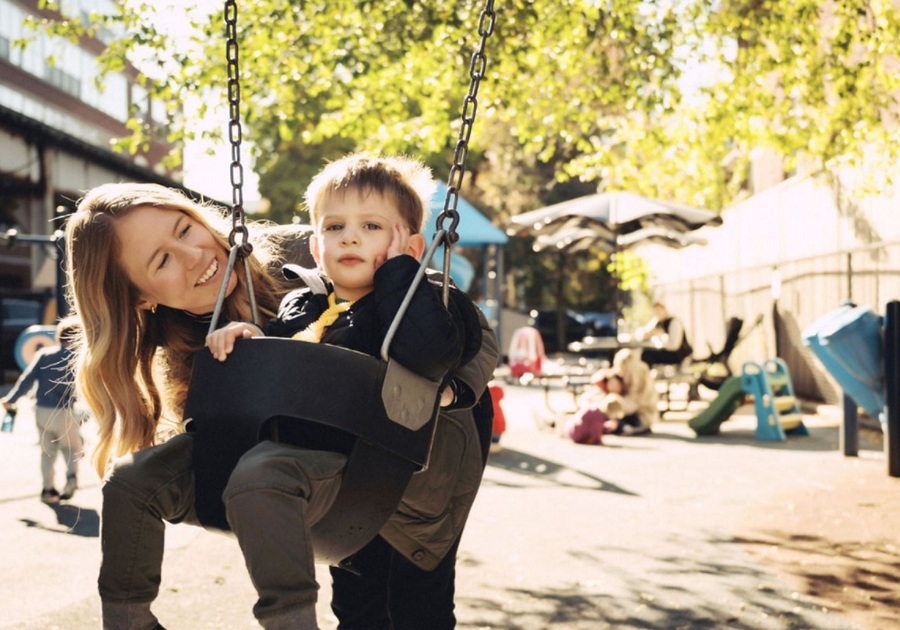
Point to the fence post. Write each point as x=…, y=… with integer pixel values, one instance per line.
x=892, y=387
x=849, y=276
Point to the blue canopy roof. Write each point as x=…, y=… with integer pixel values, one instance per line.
x=461, y=270
x=474, y=229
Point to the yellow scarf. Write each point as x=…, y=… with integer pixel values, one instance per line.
x=314, y=331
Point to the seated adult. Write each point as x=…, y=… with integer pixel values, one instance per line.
x=636, y=410
x=671, y=346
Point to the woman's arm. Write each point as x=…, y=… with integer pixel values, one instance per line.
x=221, y=342
x=471, y=378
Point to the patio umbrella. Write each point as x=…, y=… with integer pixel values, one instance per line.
x=615, y=221
x=576, y=239
x=617, y=212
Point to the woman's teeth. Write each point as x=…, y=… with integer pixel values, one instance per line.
x=213, y=268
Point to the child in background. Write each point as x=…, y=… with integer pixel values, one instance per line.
x=58, y=424
x=598, y=408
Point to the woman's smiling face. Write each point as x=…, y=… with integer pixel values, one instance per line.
x=172, y=259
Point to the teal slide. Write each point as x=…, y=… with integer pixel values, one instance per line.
x=730, y=397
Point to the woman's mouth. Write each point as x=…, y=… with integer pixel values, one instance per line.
x=209, y=273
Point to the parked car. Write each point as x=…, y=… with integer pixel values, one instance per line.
x=544, y=319
x=600, y=324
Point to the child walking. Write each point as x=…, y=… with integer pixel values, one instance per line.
x=49, y=377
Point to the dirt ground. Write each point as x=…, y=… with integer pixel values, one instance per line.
x=837, y=545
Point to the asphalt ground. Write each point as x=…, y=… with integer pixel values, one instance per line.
x=660, y=531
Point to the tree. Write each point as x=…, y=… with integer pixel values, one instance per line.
x=653, y=97
x=591, y=88
x=815, y=80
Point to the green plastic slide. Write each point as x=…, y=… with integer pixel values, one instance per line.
x=730, y=397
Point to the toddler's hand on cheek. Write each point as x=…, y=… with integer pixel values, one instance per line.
x=399, y=241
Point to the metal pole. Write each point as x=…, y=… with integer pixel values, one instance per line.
x=849, y=436
x=62, y=305
x=892, y=387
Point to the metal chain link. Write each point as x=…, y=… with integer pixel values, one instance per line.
x=477, y=69
x=238, y=218
x=238, y=224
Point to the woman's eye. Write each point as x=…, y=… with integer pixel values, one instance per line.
x=163, y=262
x=185, y=230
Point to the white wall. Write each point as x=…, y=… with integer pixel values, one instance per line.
x=796, y=219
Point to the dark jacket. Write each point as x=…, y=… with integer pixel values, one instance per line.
x=684, y=350
x=50, y=370
x=436, y=504
x=431, y=341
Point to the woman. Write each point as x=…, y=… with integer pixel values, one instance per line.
x=638, y=405
x=145, y=266
x=115, y=289
x=667, y=331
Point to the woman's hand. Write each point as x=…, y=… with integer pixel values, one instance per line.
x=221, y=342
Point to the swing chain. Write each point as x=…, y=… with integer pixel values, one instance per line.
x=238, y=225
x=477, y=69
x=238, y=222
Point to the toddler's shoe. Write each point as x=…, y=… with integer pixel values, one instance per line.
x=70, y=488
x=50, y=496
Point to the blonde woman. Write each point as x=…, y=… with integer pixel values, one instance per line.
x=638, y=405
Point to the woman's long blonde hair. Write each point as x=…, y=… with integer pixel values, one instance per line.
x=133, y=365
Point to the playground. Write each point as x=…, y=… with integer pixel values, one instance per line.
x=668, y=530
x=675, y=530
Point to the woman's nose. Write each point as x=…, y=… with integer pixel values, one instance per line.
x=192, y=256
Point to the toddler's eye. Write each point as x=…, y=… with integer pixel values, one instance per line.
x=372, y=226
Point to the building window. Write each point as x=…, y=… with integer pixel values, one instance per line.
x=101, y=32
x=140, y=103
x=4, y=48
x=64, y=81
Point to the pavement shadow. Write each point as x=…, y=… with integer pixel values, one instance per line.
x=820, y=439
x=746, y=597
x=71, y=520
x=856, y=577
x=559, y=474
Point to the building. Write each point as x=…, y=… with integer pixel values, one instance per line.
x=56, y=132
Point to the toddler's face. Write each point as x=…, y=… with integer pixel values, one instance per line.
x=614, y=385
x=353, y=235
